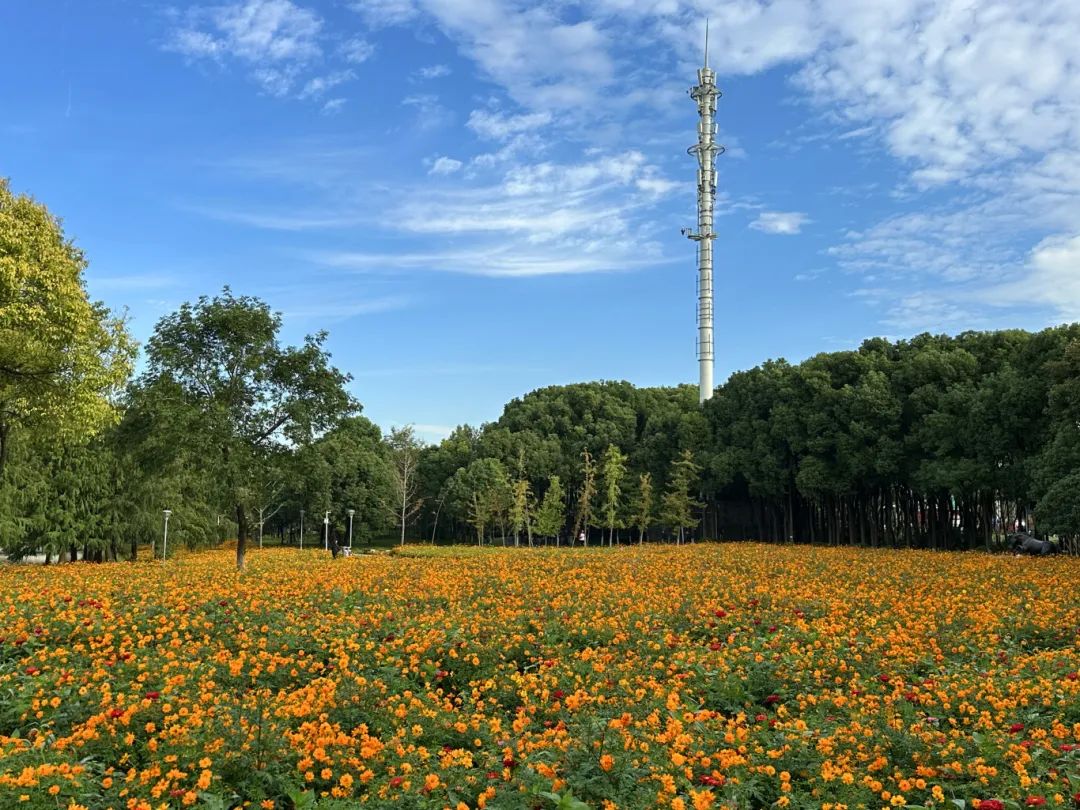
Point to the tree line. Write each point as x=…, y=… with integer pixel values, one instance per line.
x=933, y=442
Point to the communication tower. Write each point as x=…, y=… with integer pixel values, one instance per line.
x=704, y=94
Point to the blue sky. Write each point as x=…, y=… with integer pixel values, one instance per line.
x=480, y=197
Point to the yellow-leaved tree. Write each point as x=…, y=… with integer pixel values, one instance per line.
x=63, y=358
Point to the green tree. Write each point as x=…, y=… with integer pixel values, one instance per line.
x=678, y=504
x=220, y=390
x=62, y=357
x=521, y=510
x=552, y=515
x=643, y=506
x=585, y=497
x=613, y=470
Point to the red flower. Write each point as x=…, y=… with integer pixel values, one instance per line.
x=1033, y=801
x=492, y=775
x=558, y=694
x=715, y=646
x=508, y=762
x=883, y=678
x=771, y=699
x=116, y=713
x=397, y=780
x=152, y=695
x=991, y=804
x=759, y=718
x=720, y=614
x=1016, y=728
x=712, y=781
x=1072, y=676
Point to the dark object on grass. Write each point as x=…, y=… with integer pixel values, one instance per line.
x=1023, y=543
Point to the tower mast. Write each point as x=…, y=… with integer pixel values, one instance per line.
x=705, y=93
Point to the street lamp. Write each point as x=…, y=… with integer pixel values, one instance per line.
x=301, y=529
x=165, y=539
x=326, y=531
x=351, y=513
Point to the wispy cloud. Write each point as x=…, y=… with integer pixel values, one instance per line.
x=780, y=222
x=433, y=72
x=430, y=113
x=339, y=307
x=500, y=126
x=445, y=165
x=357, y=50
x=381, y=13
x=279, y=43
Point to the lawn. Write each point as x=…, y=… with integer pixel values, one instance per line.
x=738, y=675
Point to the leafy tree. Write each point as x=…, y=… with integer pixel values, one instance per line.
x=521, y=510
x=585, y=497
x=643, y=506
x=220, y=390
x=678, y=504
x=613, y=469
x=405, y=484
x=479, y=514
x=552, y=515
x=62, y=357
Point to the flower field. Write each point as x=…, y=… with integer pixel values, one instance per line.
x=739, y=675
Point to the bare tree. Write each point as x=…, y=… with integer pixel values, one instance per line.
x=405, y=457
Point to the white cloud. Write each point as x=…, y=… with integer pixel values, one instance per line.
x=536, y=219
x=317, y=86
x=380, y=13
x=433, y=72
x=276, y=39
x=430, y=113
x=445, y=165
x=357, y=50
x=333, y=106
x=498, y=126
x=1052, y=279
x=780, y=222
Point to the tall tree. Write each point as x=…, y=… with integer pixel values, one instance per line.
x=219, y=383
x=551, y=516
x=613, y=470
x=643, y=506
x=585, y=497
x=405, y=459
x=62, y=357
x=679, y=505
x=521, y=510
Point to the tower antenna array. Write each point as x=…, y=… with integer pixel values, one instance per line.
x=705, y=93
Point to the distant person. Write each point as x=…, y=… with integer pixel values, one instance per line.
x=582, y=539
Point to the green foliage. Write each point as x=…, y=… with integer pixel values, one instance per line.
x=62, y=357
x=613, y=470
x=221, y=393
x=585, y=497
x=552, y=514
x=643, y=506
x=678, y=505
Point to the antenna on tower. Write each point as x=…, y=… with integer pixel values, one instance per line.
x=706, y=42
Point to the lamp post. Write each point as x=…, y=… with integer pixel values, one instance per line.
x=351, y=513
x=326, y=531
x=301, y=529
x=165, y=539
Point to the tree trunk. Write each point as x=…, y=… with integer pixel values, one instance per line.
x=241, y=536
